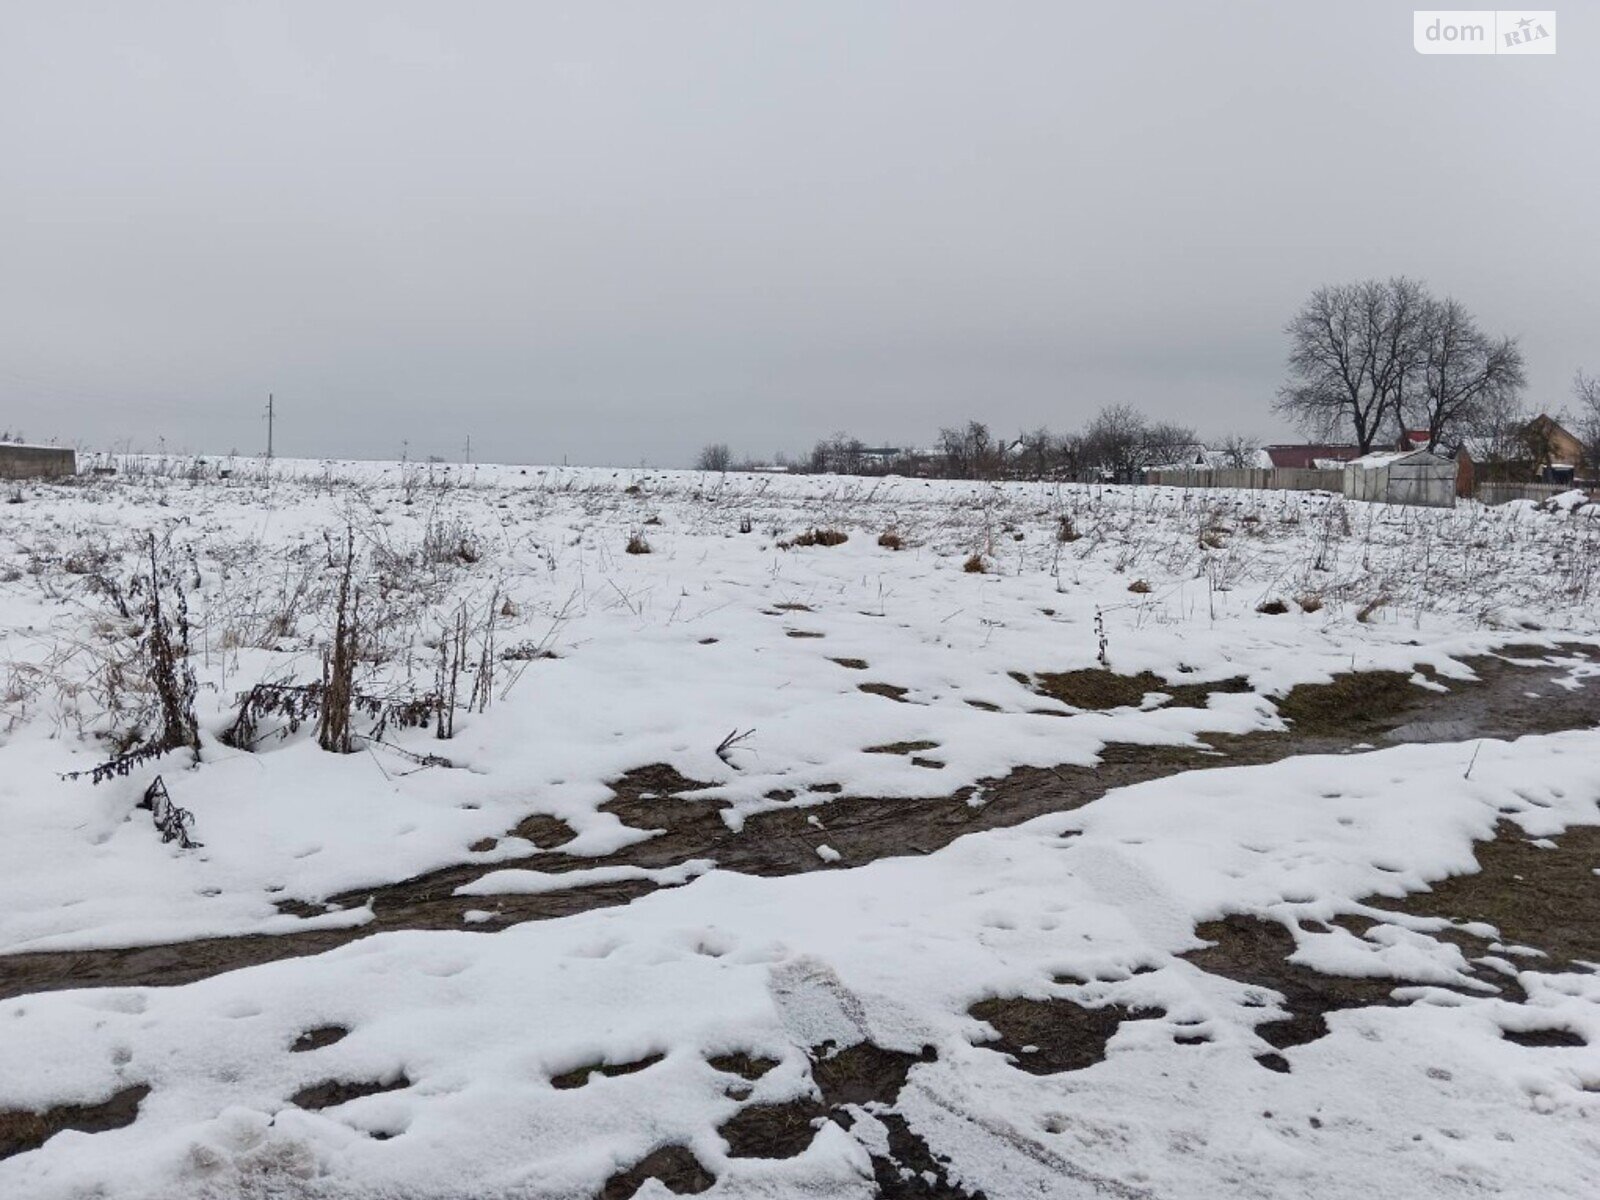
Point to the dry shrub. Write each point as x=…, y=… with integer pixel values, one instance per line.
x=1272, y=608
x=1142, y=587
x=890, y=540
x=637, y=544
x=1066, y=531
x=974, y=565
x=821, y=537
x=1310, y=602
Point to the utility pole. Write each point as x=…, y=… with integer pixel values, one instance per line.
x=269, y=426
x=469, y=447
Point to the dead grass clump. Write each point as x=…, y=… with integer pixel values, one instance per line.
x=637, y=544
x=1066, y=531
x=901, y=747
x=890, y=540
x=1272, y=608
x=819, y=537
x=1140, y=586
x=1310, y=602
x=1371, y=607
x=974, y=565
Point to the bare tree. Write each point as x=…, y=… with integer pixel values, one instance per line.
x=1113, y=442
x=1038, y=446
x=1464, y=373
x=1166, y=442
x=1238, y=450
x=715, y=457
x=1586, y=394
x=1354, y=349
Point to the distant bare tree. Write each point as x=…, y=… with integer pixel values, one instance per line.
x=715, y=457
x=839, y=455
x=1038, y=447
x=1114, y=440
x=969, y=451
x=1166, y=442
x=1464, y=373
x=1238, y=450
x=1586, y=394
x=1354, y=348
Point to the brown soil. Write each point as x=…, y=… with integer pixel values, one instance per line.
x=580, y=1076
x=901, y=747
x=316, y=1039
x=1255, y=951
x=1044, y=1037
x=1538, y=897
x=743, y=1065
x=1362, y=696
x=1101, y=690
x=889, y=691
x=24, y=1131
x=851, y=664
x=543, y=830
x=332, y=1092
x=784, y=841
x=675, y=1166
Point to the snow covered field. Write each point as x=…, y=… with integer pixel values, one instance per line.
x=1027, y=1010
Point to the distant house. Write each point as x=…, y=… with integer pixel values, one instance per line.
x=36, y=462
x=1556, y=455
x=1311, y=455
x=880, y=456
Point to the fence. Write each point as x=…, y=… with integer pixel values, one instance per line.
x=1501, y=493
x=1292, y=479
x=30, y=462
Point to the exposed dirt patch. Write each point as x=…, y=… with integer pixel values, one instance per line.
x=863, y=1073
x=1045, y=1037
x=784, y=841
x=1554, y=1035
x=889, y=691
x=316, y=1039
x=24, y=1131
x=1255, y=951
x=901, y=748
x=1538, y=898
x=543, y=830
x=851, y=664
x=802, y=633
x=772, y=1130
x=675, y=1166
x=1352, y=702
x=333, y=1092
x=911, y=1171
x=1545, y=898
x=579, y=1076
x=1099, y=691
x=743, y=1065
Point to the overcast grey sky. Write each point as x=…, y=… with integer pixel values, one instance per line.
x=614, y=231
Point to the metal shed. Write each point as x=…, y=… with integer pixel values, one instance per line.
x=1402, y=477
x=33, y=462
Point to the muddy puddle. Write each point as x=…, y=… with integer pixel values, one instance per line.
x=1353, y=712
